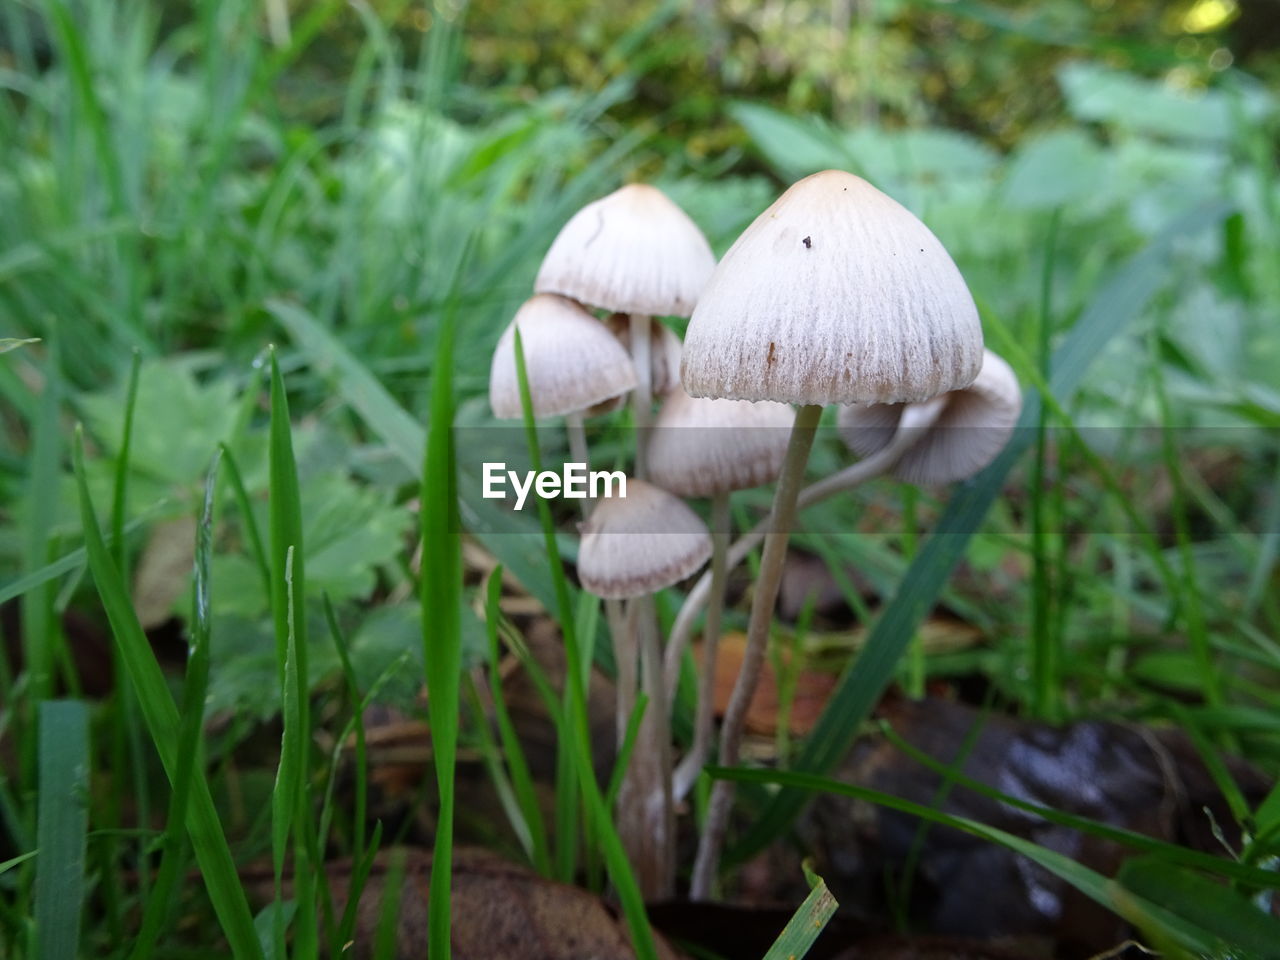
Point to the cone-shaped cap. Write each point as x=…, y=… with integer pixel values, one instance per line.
x=664, y=351
x=835, y=294
x=702, y=447
x=633, y=251
x=573, y=362
x=970, y=432
x=636, y=545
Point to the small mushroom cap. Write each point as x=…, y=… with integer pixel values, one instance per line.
x=835, y=294
x=664, y=351
x=573, y=362
x=701, y=447
x=972, y=429
x=634, y=251
x=635, y=545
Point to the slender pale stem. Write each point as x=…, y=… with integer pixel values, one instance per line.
x=622, y=628
x=659, y=794
x=578, y=452
x=916, y=420
x=646, y=819
x=642, y=396
x=689, y=768
x=775, y=548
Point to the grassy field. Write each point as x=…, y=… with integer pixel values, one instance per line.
x=249, y=306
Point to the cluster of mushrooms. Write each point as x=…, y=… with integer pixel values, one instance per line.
x=836, y=294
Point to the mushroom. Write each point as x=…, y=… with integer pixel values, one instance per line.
x=633, y=252
x=835, y=294
x=664, y=352
x=971, y=429
x=632, y=547
x=709, y=448
x=573, y=364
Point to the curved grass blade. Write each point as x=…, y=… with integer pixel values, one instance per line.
x=1121, y=299
x=191, y=727
x=1170, y=852
x=1095, y=886
x=517, y=765
x=598, y=820
x=161, y=715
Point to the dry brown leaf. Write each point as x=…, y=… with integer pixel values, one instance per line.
x=811, y=693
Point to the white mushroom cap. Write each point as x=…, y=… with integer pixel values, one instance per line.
x=835, y=294
x=664, y=351
x=635, y=545
x=972, y=429
x=573, y=362
x=701, y=447
x=634, y=251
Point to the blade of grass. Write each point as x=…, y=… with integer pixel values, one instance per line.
x=389, y=421
x=194, y=690
x=599, y=821
x=441, y=598
x=810, y=919
x=291, y=798
x=247, y=519
x=126, y=740
x=1093, y=885
x=517, y=764
x=62, y=825
x=1121, y=298
x=1129, y=838
x=161, y=715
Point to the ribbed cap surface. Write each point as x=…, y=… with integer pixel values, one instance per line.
x=638, y=544
x=835, y=294
x=972, y=429
x=634, y=251
x=572, y=359
x=702, y=447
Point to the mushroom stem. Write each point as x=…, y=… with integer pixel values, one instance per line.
x=646, y=818
x=775, y=549
x=578, y=451
x=642, y=396
x=622, y=627
x=916, y=421
x=689, y=767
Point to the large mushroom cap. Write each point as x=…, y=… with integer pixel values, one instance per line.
x=635, y=545
x=702, y=447
x=972, y=429
x=573, y=362
x=634, y=251
x=835, y=294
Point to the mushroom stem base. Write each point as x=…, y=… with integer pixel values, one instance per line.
x=707, y=863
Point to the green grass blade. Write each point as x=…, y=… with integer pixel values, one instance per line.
x=1170, y=852
x=389, y=421
x=441, y=597
x=252, y=534
x=810, y=919
x=1093, y=885
x=291, y=799
x=599, y=821
x=517, y=765
x=161, y=715
x=191, y=728
x=62, y=826
x=1121, y=299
